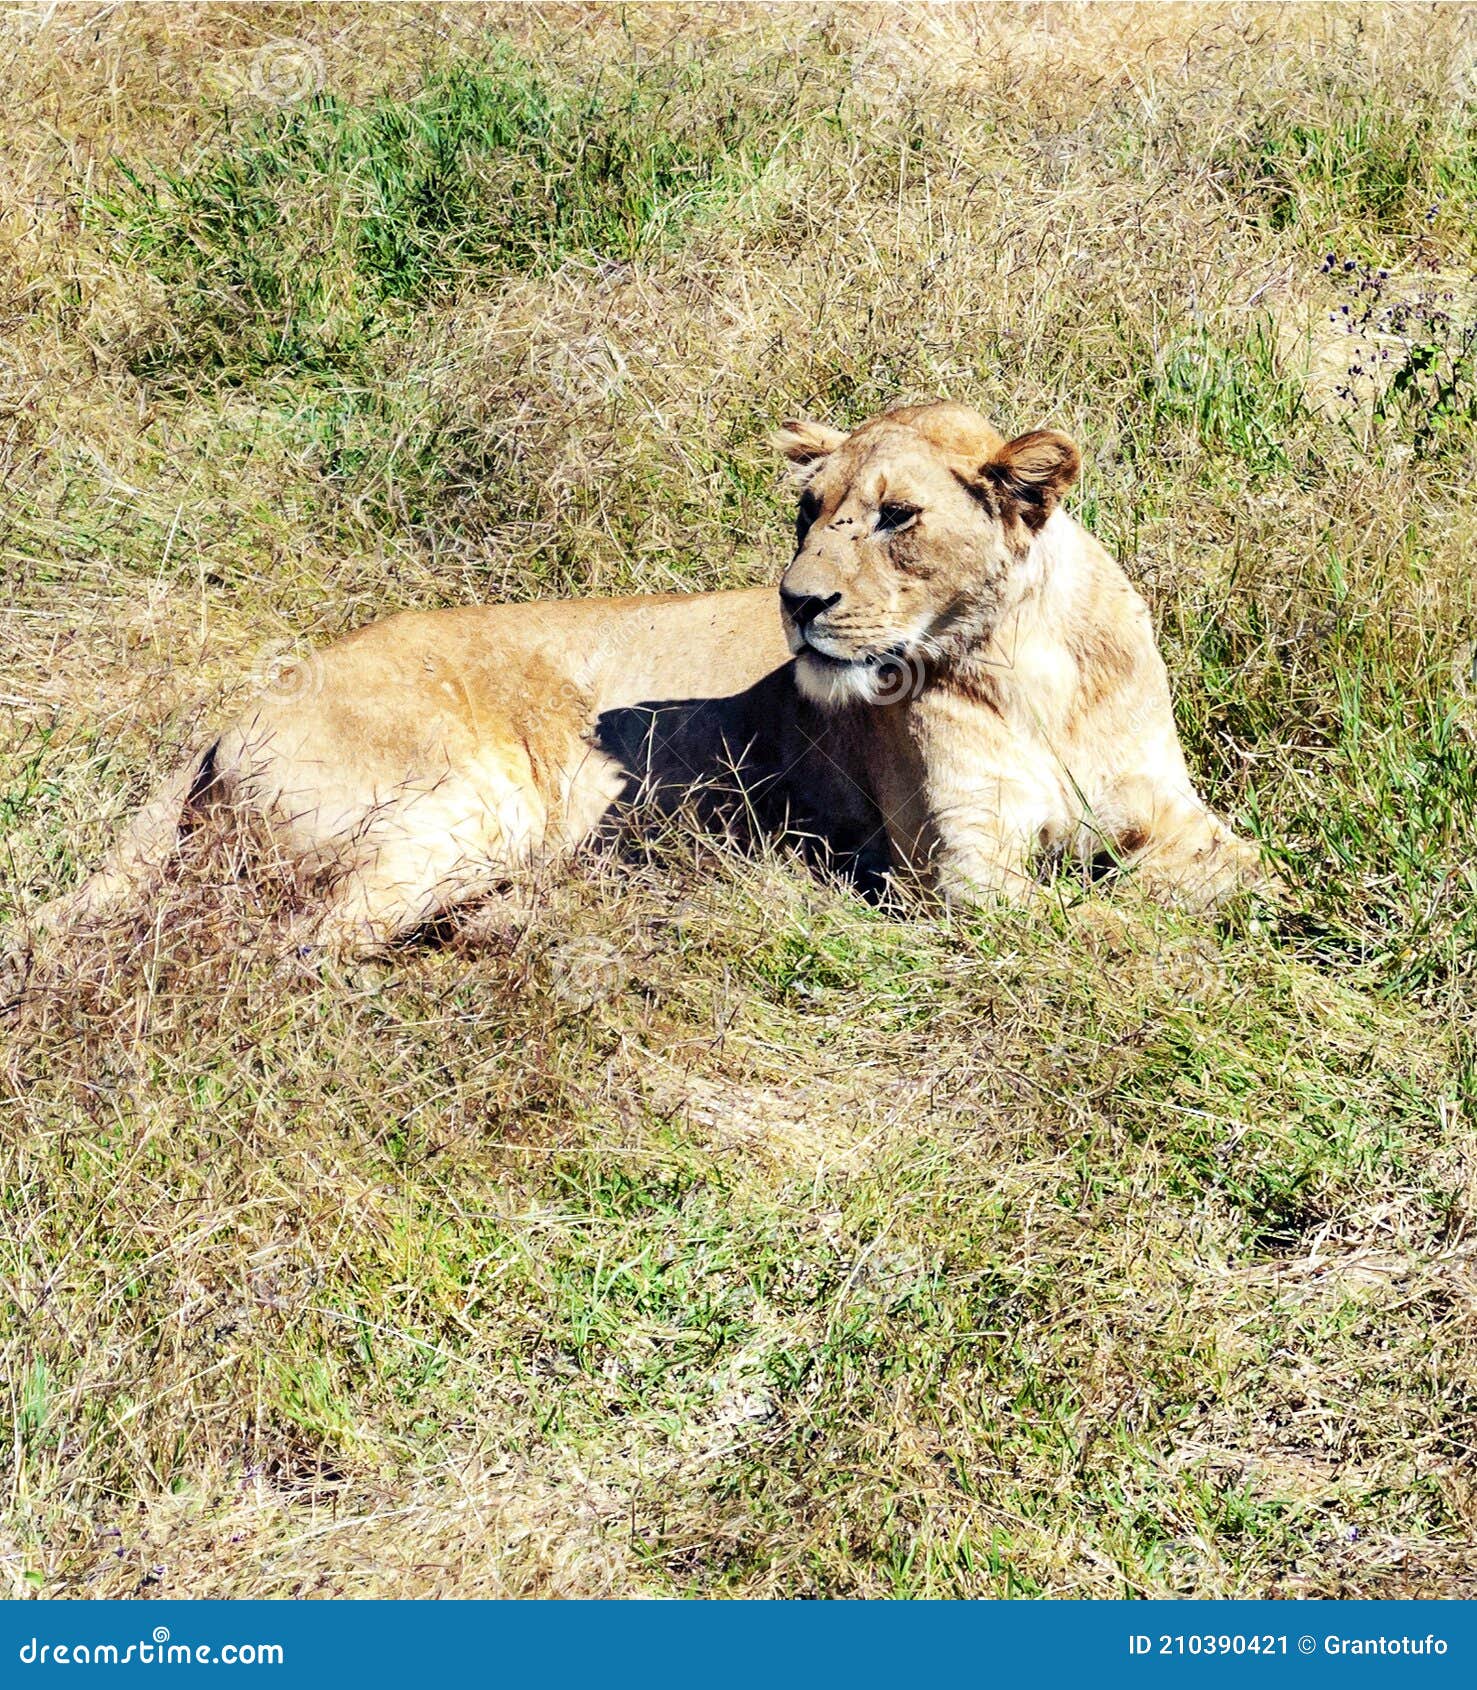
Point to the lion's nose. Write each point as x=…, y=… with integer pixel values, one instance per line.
x=803, y=608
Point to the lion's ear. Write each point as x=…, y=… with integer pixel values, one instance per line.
x=1033, y=471
x=804, y=442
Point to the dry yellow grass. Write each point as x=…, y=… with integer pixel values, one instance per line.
x=714, y=1232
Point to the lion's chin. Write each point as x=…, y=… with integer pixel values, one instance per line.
x=833, y=684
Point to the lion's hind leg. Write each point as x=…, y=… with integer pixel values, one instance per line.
x=138, y=858
x=416, y=858
x=475, y=838
x=379, y=904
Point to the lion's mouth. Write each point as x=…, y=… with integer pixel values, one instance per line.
x=860, y=660
x=814, y=654
x=892, y=676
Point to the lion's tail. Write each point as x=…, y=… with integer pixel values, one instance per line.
x=140, y=854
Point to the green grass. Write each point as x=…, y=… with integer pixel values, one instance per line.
x=1382, y=165
x=821, y=1249
x=1236, y=401
x=297, y=241
x=295, y=256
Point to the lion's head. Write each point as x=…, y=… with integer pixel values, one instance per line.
x=912, y=539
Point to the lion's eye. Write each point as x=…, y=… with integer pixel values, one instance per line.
x=891, y=518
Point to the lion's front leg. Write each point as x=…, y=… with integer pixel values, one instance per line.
x=1178, y=850
x=984, y=843
x=984, y=873
x=958, y=823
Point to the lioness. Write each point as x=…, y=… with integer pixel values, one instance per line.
x=959, y=681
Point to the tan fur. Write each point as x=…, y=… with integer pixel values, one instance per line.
x=1032, y=708
x=990, y=690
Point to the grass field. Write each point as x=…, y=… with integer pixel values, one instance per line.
x=715, y=1232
